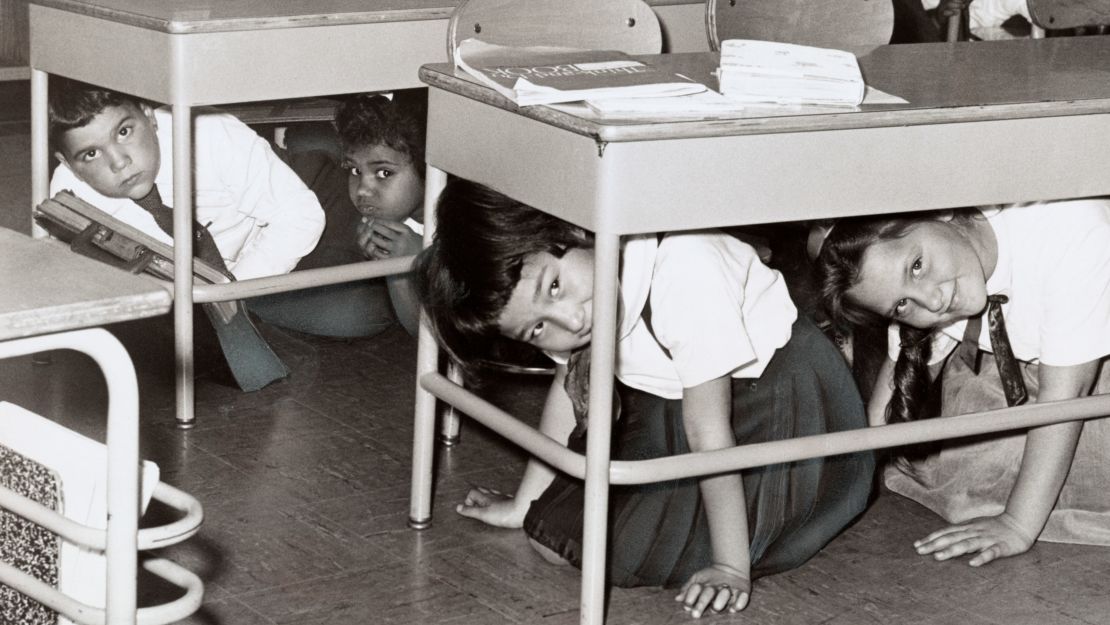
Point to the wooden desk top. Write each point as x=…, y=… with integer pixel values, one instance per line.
x=944, y=83
x=46, y=288
x=197, y=16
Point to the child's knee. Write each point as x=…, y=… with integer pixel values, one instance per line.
x=547, y=554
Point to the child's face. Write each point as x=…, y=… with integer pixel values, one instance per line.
x=116, y=153
x=383, y=183
x=551, y=307
x=928, y=278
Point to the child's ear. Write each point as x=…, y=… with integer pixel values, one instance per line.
x=815, y=240
x=945, y=215
x=149, y=112
x=62, y=159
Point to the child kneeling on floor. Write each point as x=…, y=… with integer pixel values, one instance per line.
x=711, y=353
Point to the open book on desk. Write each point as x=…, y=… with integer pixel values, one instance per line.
x=784, y=73
x=548, y=75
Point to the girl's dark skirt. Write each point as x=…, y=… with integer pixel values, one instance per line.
x=658, y=532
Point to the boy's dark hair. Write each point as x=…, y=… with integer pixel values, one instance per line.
x=465, y=278
x=370, y=119
x=72, y=104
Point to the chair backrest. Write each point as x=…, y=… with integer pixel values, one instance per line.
x=822, y=23
x=1060, y=14
x=626, y=25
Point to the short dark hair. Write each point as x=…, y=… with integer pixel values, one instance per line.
x=73, y=104
x=466, y=276
x=369, y=119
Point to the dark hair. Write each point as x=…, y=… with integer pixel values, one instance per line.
x=837, y=268
x=370, y=119
x=73, y=104
x=465, y=277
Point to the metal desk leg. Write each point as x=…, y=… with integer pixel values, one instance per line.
x=40, y=148
x=602, y=357
x=183, y=264
x=427, y=361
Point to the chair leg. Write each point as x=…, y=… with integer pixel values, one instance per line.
x=449, y=428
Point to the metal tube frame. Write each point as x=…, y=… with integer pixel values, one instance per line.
x=120, y=541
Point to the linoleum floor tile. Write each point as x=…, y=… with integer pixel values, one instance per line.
x=364, y=400
x=507, y=574
x=227, y=612
x=382, y=516
x=316, y=467
x=381, y=595
x=253, y=552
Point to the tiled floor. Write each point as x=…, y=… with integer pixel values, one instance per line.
x=305, y=488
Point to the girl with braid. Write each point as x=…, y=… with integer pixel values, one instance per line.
x=1045, y=268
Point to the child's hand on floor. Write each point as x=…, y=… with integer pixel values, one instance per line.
x=379, y=239
x=989, y=538
x=717, y=587
x=493, y=508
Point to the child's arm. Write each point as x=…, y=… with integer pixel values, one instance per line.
x=381, y=239
x=1048, y=454
x=706, y=410
x=557, y=422
x=263, y=188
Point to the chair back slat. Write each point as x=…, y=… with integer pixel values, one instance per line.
x=1059, y=14
x=626, y=25
x=823, y=23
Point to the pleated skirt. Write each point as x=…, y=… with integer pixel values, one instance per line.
x=658, y=534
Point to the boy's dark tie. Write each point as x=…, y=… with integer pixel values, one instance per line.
x=204, y=246
x=248, y=355
x=1008, y=370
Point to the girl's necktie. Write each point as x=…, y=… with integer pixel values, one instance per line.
x=1008, y=370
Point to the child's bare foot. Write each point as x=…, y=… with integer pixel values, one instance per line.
x=493, y=507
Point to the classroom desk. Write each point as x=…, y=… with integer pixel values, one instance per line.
x=54, y=299
x=205, y=52
x=986, y=123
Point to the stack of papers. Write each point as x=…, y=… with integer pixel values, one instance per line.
x=784, y=73
x=550, y=75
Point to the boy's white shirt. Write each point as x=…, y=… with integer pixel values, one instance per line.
x=988, y=13
x=1054, y=266
x=715, y=306
x=261, y=215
